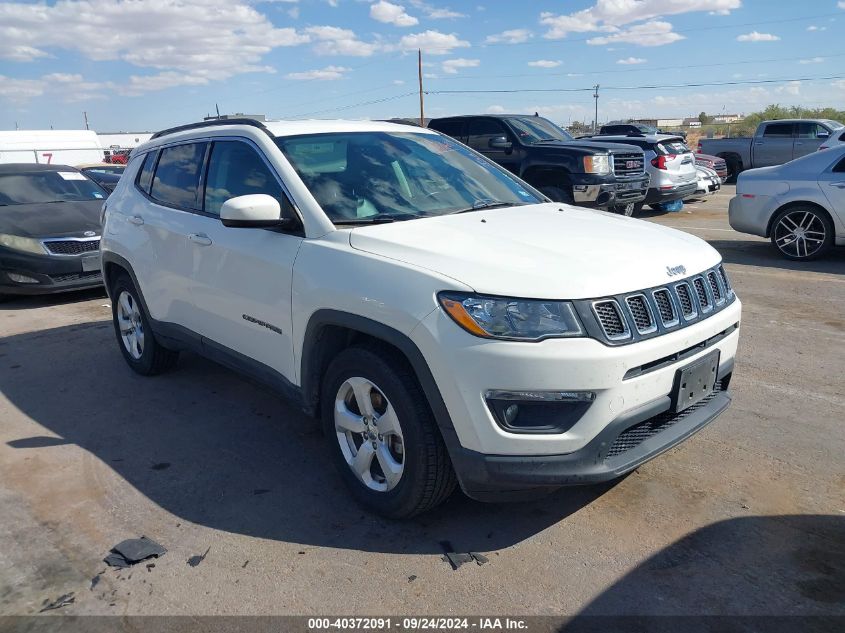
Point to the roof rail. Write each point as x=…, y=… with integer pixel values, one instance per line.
x=202, y=124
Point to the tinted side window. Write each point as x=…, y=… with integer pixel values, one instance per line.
x=145, y=175
x=235, y=169
x=451, y=127
x=481, y=131
x=177, y=176
x=778, y=130
x=840, y=167
x=812, y=130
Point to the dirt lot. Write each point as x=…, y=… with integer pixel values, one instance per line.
x=747, y=517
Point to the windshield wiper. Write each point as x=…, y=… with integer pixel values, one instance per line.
x=373, y=220
x=478, y=205
x=546, y=140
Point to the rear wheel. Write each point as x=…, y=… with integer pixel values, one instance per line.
x=382, y=435
x=802, y=233
x=137, y=343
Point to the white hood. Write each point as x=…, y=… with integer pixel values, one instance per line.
x=546, y=251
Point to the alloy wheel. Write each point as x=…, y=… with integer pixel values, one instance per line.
x=800, y=233
x=369, y=434
x=130, y=324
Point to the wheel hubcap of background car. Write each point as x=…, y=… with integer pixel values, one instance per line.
x=800, y=233
x=130, y=324
x=369, y=434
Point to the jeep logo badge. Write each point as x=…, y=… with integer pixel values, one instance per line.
x=675, y=270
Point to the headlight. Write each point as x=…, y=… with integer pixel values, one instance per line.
x=25, y=244
x=515, y=319
x=598, y=164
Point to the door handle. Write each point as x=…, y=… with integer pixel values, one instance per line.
x=759, y=143
x=200, y=239
x=137, y=220
x=838, y=185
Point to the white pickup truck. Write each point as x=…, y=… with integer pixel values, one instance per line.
x=774, y=143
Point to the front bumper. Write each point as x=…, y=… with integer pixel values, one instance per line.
x=670, y=193
x=649, y=430
x=587, y=192
x=52, y=273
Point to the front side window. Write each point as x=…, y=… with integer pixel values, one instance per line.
x=177, y=175
x=534, y=129
x=812, y=130
x=450, y=127
x=386, y=176
x=482, y=131
x=47, y=186
x=235, y=169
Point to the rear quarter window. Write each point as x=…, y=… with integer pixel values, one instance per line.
x=145, y=174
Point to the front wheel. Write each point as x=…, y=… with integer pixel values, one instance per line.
x=802, y=233
x=382, y=434
x=623, y=209
x=557, y=194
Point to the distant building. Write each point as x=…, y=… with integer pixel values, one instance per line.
x=661, y=123
x=727, y=118
x=236, y=115
x=692, y=122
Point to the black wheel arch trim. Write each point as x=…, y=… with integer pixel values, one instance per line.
x=311, y=360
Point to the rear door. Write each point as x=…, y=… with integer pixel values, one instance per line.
x=832, y=182
x=774, y=146
x=810, y=137
x=456, y=128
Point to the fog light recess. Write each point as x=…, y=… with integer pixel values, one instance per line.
x=538, y=411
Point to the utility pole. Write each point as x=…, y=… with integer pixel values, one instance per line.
x=85, y=114
x=596, y=119
x=419, y=76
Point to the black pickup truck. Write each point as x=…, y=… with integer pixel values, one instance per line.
x=607, y=175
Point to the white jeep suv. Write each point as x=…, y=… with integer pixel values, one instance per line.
x=445, y=322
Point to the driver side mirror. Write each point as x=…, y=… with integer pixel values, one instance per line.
x=254, y=211
x=823, y=134
x=500, y=142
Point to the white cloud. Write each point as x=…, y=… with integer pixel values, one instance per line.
x=432, y=42
x=841, y=4
x=451, y=66
x=390, y=13
x=812, y=60
x=630, y=61
x=545, y=63
x=197, y=39
x=65, y=87
x=652, y=33
x=513, y=36
x=609, y=15
x=755, y=36
x=495, y=109
x=813, y=27
x=333, y=40
x=398, y=82
x=328, y=73
x=436, y=13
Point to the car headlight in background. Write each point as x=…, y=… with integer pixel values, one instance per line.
x=25, y=244
x=514, y=319
x=598, y=164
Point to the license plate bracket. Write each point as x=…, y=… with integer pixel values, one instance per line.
x=90, y=263
x=695, y=381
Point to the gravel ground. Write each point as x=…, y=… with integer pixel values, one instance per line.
x=747, y=517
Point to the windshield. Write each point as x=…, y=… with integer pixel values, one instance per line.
x=364, y=177
x=114, y=170
x=533, y=129
x=835, y=125
x=47, y=186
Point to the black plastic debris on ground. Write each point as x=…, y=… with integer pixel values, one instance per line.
x=193, y=561
x=58, y=603
x=132, y=551
x=456, y=559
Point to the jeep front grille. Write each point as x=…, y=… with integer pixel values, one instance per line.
x=633, y=316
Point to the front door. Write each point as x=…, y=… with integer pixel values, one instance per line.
x=809, y=138
x=241, y=282
x=483, y=131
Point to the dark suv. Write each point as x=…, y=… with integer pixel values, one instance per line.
x=609, y=175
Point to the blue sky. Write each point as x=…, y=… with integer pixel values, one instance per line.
x=147, y=64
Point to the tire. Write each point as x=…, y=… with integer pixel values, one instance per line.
x=623, y=209
x=557, y=194
x=802, y=232
x=417, y=473
x=139, y=347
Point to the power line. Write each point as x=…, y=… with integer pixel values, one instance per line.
x=644, y=87
x=355, y=105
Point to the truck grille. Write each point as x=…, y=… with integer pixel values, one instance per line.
x=639, y=433
x=628, y=164
x=633, y=316
x=72, y=247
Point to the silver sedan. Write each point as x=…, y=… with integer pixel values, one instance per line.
x=800, y=206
